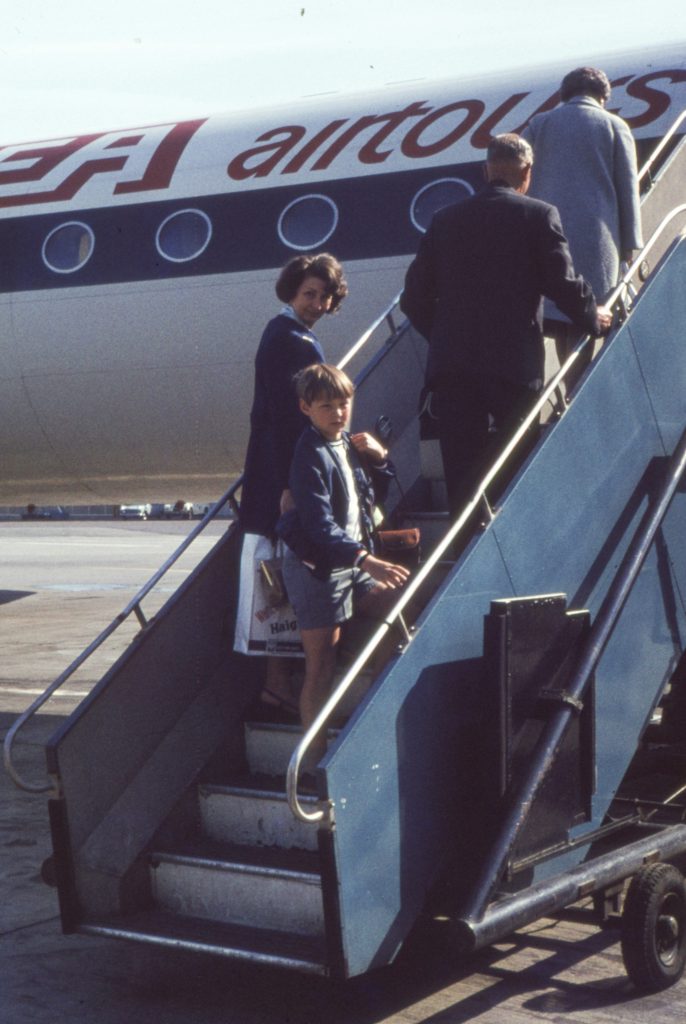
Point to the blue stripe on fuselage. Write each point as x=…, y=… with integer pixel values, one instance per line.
x=373, y=222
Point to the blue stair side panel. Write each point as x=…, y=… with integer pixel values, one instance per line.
x=406, y=767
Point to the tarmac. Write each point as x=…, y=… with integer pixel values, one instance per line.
x=60, y=584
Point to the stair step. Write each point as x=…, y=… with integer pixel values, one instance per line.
x=427, y=516
x=270, y=745
x=253, y=945
x=265, y=889
x=249, y=815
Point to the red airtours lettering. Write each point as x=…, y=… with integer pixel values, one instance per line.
x=241, y=168
x=144, y=160
x=429, y=131
x=47, y=159
x=369, y=154
x=657, y=102
x=412, y=144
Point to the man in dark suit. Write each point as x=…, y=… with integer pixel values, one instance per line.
x=475, y=291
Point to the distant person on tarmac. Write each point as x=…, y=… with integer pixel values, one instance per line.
x=586, y=166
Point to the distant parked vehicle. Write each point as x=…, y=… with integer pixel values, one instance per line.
x=45, y=512
x=134, y=511
x=179, y=510
x=200, y=508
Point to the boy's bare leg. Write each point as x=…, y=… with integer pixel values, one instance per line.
x=319, y=646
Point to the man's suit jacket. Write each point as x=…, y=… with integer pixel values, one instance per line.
x=474, y=289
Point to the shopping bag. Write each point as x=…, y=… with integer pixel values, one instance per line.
x=264, y=625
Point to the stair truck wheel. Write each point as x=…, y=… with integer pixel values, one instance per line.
x=654, y=927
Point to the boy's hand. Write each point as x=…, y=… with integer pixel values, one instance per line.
x=393, y=576
x=368, y=445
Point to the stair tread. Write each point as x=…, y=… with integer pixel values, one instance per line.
x=426, y=515
x=291, y=728
x=262, y=786
x=273, y=858
x=161, y=927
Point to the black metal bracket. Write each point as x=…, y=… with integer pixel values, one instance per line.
x=562, y=697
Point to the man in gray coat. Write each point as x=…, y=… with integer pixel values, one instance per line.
x=586, y=167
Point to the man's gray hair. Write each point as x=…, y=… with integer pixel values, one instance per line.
x=510, y=148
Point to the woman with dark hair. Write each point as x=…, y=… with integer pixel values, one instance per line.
x=310, y=287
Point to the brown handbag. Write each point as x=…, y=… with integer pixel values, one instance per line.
x=400, y=546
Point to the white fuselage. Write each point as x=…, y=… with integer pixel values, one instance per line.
x=138, y=266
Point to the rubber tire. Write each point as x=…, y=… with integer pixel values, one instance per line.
x=654, y=928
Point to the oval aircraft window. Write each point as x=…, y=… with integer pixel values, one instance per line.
x=68, y=247
x=183, y=235
x=434, y=196
x=307, y=222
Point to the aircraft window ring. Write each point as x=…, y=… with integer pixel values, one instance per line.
x=307, y=222
x=68, y=247
x=434, y=197
x=183, y=235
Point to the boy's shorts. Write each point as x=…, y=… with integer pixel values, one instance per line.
x=320, y=604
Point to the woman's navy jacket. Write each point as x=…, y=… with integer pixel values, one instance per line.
x=275, y=420
x=315, y=529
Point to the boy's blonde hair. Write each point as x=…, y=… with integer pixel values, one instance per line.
x=321, y=380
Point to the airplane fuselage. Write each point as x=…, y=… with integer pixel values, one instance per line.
x=138, y=265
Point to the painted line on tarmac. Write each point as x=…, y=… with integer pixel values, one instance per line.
x=37, y=693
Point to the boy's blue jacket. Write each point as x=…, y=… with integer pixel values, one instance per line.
x=315, y=529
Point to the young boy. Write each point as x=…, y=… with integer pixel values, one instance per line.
x=329, y=564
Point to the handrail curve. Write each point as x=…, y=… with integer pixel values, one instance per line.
x=479, y=497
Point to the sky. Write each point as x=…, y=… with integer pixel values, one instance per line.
x=77, y=66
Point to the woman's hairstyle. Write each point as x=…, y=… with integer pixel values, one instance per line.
x=324, y=266
x=585, y=82
x=321, y=380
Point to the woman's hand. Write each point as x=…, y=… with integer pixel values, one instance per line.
x=368, y=445
x=393, y=576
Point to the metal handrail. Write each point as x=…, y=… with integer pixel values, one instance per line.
x=133, y=607
x=479, y=499
x=387, y=315
x=666, y=139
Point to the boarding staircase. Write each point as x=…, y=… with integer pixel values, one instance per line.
x=181, y=820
